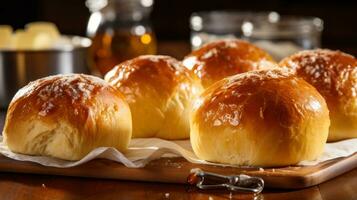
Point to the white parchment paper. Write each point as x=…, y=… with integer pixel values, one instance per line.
x=142, y=151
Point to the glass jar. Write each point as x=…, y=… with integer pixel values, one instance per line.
x=120, y=30
x=279, y=35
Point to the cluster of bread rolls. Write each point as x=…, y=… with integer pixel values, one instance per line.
x=235, y=103
x=67, y=116
x=271, y=117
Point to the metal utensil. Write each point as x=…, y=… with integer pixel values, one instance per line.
x=18, y=67
x=238, y=183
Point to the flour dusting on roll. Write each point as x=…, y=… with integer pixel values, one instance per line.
x=260, y=118
x=334, y=75
x=223, y=58
x=67, y=116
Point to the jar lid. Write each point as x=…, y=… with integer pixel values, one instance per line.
x=96, y=5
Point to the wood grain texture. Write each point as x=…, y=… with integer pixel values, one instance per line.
x=176, y=170
x=17, y=186
x=25, y=186
x=342, y=187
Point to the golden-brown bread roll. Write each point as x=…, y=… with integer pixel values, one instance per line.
x=260, y=118
x=160, y=92
x=222, y=58
x=334, y=75
x=67, y=116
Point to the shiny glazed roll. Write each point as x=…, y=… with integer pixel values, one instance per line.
x=67, y=116
x=334, y=75
x=160, y=92
x=260, y=118
x=222, y=58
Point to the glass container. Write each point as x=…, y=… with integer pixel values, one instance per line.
x=120, y=30
x=278, y=35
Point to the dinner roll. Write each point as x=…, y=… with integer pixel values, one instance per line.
x=67, y=116
x=223, y=58
x=334, y=75
x=160, y=92
x=260, y=118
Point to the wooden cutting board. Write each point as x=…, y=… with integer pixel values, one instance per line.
x=176, y=170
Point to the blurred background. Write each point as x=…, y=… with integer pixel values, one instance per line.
x=170, y=18
x=123, y=29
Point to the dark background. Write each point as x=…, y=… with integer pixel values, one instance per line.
x=170, y=17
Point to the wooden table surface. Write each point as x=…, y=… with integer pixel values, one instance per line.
x=26, y=186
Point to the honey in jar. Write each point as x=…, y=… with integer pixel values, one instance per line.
x=110, y=48
x=120, y=30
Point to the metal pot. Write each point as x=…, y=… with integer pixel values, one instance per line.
x=19, y=67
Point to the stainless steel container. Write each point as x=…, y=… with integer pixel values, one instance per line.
x=19, y=67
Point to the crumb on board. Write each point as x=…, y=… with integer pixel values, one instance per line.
x=167, y=195
x=230, y=195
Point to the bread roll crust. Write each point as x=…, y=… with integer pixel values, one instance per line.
x=67, y=116
x=334, y=75
x=159, y=91
x=222, y=58
x=261, y=118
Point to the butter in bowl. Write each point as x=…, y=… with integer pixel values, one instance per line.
x=37, y=51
